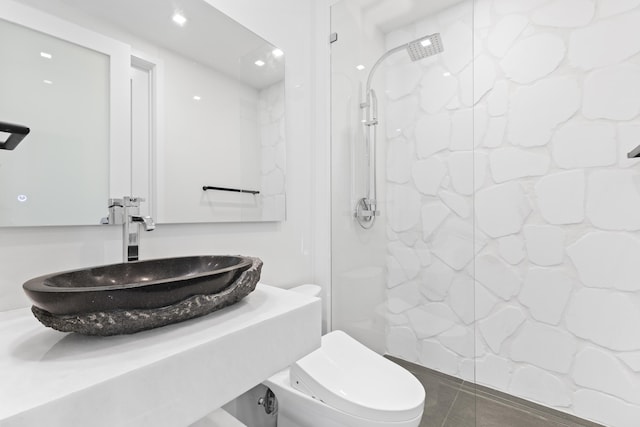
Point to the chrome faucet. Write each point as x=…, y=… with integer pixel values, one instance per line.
x=126, y=211
x=147, y=222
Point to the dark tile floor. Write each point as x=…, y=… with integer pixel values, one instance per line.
x=452, y=402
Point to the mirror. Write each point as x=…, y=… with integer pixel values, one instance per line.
x=205, y=114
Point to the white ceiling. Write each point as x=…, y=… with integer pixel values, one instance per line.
x=209, y=36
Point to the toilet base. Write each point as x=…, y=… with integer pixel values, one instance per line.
x=296, y=409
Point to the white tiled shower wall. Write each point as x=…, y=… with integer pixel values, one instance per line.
x=546, y=199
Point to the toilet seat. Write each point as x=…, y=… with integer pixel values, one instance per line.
x=349, y=377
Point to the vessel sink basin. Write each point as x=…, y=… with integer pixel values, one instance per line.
x=149, y=291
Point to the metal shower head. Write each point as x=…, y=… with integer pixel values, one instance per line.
x=425, y=46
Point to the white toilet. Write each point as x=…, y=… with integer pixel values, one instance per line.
x=344, y=384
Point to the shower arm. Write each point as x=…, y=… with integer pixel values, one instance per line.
x=375, y=66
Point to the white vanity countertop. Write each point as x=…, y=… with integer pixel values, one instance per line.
x=170, y=376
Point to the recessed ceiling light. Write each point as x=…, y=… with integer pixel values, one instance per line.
x=446, y=74
x=259, y=63
x=196, y=98
x=46, y=55
x=179, y=19
x=277, y=53
x=426, y=42
x=49, y=82
x=360, y=67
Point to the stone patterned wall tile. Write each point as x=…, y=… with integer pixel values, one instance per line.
x=594, y=313
x=584, y=145
x=628, y=137
x=469, y=300
x=540, y=386
x=402, y=343
x=403, y=207
x=467, y=370
x=469, y=128
x=555, y=355
x=459, y=51
x=605, y=42
x=560, y=197
x=430, y=319
x=433, y=214
x=613, y=210
x=423, y=253
x=409, y=238
x=402, y=79
x=546, y=293
x=504, y=34
x=608, y=8
x=511, y=163
x=511, y=249
x=462, y=121
x=467, y=170
x=401, y=114
x=607, y=260
x=438, y=87
x=533, y=58
x=399, y=155
x=476, y=80
x=395, y=272
x=396, y=319
x=403, y=297
x=455, y=242
x=482, y=14
x=493, y=371
x=427, y=174
x=456, y=203
x=460, y=165
x=459, y=339
x=435, y=280
x=498, y=99
x=605, y=409
x=565, y=13
x=537, y=109
x=407, y=258
x=631, y=359
x=612, y=93
x=495, y=132
x=433, y=134
x=599, y=370
x=545, y=244
x=433, y=355
x=502, y=209
x=500, y=326
x=506, y=7
x=497, y=276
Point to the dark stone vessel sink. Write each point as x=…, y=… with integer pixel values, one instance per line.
x=131, y=297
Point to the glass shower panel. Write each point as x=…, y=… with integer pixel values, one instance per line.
x=403, y=279
x=557, y=300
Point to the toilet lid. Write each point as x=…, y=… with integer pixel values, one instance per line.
x=349, y=377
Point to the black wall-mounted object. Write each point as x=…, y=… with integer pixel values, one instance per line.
x=16, y=134
x=634, y=153
x=235, y=190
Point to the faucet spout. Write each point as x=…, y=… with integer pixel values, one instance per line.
x=147, y=222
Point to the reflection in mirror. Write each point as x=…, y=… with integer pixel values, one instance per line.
x=61, y=91
x=207, y=109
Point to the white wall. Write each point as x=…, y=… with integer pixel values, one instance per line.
x=285, y=247
x=557, y=205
